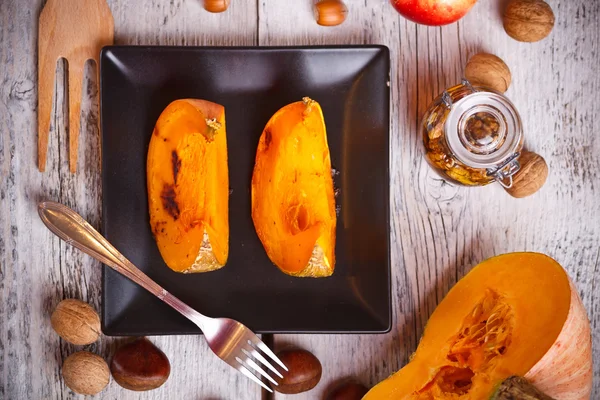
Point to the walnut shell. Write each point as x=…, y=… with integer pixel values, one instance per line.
x=85, y=373
x=488, y=70
x=531, y=177
x=528, y=20
x=76, y=322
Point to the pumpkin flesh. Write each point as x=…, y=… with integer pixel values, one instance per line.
x=188, y=186
x=293, y=205
x=499, y=320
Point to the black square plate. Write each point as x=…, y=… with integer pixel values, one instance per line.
x=352, y=85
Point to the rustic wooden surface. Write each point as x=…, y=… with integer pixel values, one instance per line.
x=438, y=231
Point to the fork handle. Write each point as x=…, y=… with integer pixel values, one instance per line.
x=73, y=229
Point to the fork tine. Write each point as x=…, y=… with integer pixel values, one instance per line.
x=268, y=352
x=257, y=367
x=250, y=375
x=263, y=360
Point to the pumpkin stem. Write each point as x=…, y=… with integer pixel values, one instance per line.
x=517, y=387
x=213, y=128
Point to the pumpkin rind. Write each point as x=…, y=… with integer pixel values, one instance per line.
x=566, y=370
x=293, y=205
x=188, y=186
x=532, y=311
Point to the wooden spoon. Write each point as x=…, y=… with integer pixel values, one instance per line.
x=75, y=30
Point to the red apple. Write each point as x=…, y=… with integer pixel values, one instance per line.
x=433, y=12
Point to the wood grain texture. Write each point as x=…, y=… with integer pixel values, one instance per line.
x=438, y=231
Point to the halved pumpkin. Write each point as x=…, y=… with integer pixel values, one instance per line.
x=188, y=186
x=514, y=314
x=293, y=205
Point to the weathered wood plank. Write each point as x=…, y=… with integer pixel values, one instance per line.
x=36, y=269
x=440, y=231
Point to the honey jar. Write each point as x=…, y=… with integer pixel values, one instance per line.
x=473, y=136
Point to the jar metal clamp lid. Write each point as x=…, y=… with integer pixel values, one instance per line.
x=484, y=131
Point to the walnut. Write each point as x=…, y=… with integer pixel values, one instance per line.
x=85, y=373
x=531, y=177
x=488, y=70
x=76, y=322
x=528, y=20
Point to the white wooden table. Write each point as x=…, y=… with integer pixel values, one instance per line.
x=438, y=231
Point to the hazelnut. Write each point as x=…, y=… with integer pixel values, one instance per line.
x=140, y=365
x=330, y=12
x=488, y=70
x=304, y=371
x=216, y=6
x=85, y=373
x=531, y=177
x=528, y=20
x=76, y=322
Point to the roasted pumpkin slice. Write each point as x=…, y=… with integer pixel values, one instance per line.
x=188, y=186
x=516, y=314
x=293, y=205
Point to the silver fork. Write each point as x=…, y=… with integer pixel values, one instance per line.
x=230, y=340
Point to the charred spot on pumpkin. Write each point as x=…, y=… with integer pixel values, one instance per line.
x=268, y=138
x=169, y=202
x=158, y=226
x=155, y=132
x=176, y=164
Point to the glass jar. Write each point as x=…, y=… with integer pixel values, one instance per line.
x=473, y=136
